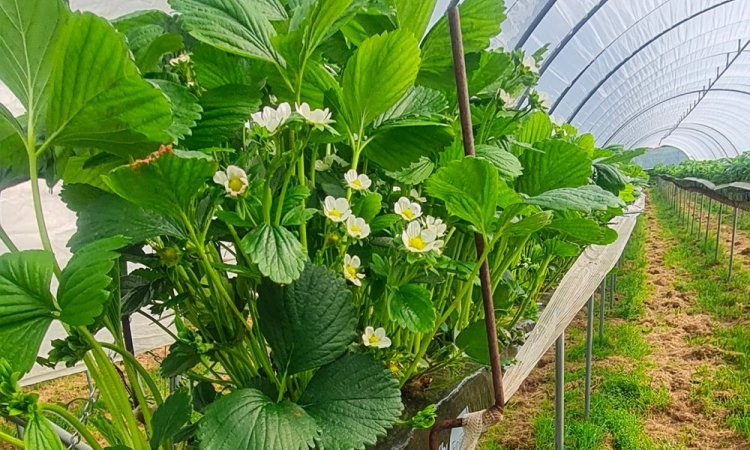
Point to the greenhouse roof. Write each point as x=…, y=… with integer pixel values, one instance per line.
x=633, y=72
x=643, y=72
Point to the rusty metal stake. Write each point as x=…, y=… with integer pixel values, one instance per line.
x=494, y=413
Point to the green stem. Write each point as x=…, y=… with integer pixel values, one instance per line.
x=282, y=195
x=303, y=182
x=11, y=440
x=73, y=422
x=129, y=358
x=431, y=335
x=113, y=392
x=38, y=212
x=7, y=241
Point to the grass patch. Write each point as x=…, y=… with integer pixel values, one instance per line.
x=726, y=387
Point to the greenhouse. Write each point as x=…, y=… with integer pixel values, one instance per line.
x=374, y=224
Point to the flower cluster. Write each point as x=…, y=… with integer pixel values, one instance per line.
x=272, y=119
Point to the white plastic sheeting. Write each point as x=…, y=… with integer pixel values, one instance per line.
x=633, y=71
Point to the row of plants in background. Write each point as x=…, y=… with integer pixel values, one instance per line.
x=287, y=178
x=717, y=171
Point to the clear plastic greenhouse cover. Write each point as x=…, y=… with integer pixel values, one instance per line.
x=642, y=73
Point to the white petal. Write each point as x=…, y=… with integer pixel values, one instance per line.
x=220, y=177
x=236, y=172
x=413, y=229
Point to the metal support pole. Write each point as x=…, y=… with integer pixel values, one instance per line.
x=494, y=413
x=560, y=392
x=601, y=307
x=731, y=248
x=708, y=220
x=589, y=355
x=692, y=218
x=127, y=334
x=611, y=290
x=700, y=216
x=718, y=233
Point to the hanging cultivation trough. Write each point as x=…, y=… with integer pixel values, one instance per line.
x=355, y=223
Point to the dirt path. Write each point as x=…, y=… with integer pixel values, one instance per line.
x=675, y=360
x=668, y=321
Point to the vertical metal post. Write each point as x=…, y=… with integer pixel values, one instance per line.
x=718, y=233
x=692, y=218
x=708, y=220
x=731, y=247
x=589, y=355
x=560, y=392
x=467, y=132
x=700, y=216
x=494, y=413
x=127, y=334
x=602, y=299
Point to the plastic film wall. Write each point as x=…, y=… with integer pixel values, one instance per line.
x=644, y=72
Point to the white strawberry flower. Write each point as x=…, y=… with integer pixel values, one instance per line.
x=530, y=62
x=507, y=99
x=234, y=180
x=435, y=225
x=357, y=227
x=407, y=209
x=396, y=188
x=351, y=269
x=319, y=118
x=415, y=195
x=182, y=58
x=271, y=119
x=419, y=240
x=336, y=209
x=358, y=182
x=375, y=338
x=544, y=99
x=557, y=120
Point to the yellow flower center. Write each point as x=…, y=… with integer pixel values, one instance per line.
x=351, y=271
x=417, y=243
x=236, y=184
x=355, y=228
x=408, y=213
x=374, y=339
x=334, y=213
x=357, y=183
